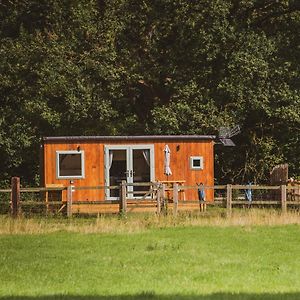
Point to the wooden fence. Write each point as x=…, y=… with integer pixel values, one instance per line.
x=158, y=197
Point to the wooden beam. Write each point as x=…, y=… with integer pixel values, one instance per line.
x=15, y=196
x=158, y=199
x=5, y=190
x=257, y=202
x=283, y=199
x=36, y=190
x=164, y=200
x=123, y=192
x=255, y=187
x=69, y=200
x=229, y=199
x=175, y=198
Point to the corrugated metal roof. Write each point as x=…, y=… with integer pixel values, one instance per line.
x=128, y=138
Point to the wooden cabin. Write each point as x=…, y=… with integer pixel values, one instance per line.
x=107, y=160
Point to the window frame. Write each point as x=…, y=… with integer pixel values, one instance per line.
x=81, y=152
x=192, y=159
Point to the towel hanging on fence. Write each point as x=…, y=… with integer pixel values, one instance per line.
x=248, y=193
x=201, y=192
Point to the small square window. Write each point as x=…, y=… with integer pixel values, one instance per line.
x=69, y=164
x=196, y=162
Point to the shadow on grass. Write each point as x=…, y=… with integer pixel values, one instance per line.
x=152, y=296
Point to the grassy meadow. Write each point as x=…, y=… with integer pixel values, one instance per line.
x=253, y=255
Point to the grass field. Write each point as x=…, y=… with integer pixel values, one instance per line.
x=171, y=261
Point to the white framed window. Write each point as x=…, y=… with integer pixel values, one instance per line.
x=69, y=164
x=196, y=163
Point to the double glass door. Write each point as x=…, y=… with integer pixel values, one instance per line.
x=134, y=164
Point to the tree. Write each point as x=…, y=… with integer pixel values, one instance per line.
x=152, y=67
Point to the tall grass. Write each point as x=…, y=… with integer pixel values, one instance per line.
x=142, y=222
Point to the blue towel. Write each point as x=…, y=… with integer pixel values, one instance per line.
x=201, y=193
x=248, y=193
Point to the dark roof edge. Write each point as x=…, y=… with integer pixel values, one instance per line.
x=128, y=138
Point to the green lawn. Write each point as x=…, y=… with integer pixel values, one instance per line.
x=171, y=263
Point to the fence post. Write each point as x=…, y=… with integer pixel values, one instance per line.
x=283, y=199
x=15, y=196
x=164, y=199
x=47, y=201
x=158, y=198
x=175, y=198
x=69, y=200
x=229, y=199
x=122, y=203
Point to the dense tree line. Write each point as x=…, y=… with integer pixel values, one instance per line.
x=127, y=67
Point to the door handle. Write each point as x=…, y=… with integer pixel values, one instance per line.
x=132, y=173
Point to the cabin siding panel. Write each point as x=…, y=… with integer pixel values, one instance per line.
x=95, y=172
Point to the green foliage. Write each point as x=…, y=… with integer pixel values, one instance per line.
x=151, y=67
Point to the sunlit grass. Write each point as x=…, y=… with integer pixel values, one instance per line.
x=138, y=222
x=190, y=262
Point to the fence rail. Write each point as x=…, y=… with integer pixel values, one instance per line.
x=155, y=195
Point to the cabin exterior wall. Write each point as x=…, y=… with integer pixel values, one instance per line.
x=181, y=151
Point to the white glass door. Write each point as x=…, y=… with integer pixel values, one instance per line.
x=134, y=164
x=116, y=169
x=142, y=166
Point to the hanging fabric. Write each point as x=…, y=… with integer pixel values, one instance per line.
x=111, y=155
x=167, y=169
x=146, y=154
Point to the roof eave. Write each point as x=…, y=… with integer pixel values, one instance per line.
x=128, y=138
